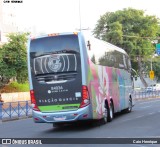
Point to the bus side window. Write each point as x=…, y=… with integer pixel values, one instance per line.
x=93, y=59
x=125, y=62
x=95, y=51
x=90, y=51
x=120, y=59
x=129, y=65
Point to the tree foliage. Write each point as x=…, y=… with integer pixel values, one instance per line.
x=131, y=30
x=13, y=59
x=156, y=68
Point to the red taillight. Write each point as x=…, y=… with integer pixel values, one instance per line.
x=53, y=34
x=32, y=38
x=85, y=97
x=33, y=101
x=36, y=119
x=84, y=92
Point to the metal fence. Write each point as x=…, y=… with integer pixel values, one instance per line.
x=15, y=110
x=146, y=94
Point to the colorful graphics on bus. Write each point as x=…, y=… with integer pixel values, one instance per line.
x=105, y=83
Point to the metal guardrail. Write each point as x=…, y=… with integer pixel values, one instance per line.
x=15, y=110
x=146, y=94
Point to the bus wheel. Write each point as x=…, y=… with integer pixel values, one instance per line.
x=105, y=115
x=110, y=112
x=129, y=109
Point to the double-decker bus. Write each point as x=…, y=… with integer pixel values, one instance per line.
x=76, y=77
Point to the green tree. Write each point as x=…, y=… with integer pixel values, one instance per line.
x=156, y=68
x=131, y=30
x=13, y=59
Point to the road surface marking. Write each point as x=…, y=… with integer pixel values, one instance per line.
x=149, y=102
x=139, y=116
x=151, y=113
x=145, y=107
x=133, y=118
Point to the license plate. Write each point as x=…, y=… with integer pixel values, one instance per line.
x=60, y=118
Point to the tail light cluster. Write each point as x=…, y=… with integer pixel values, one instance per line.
x=85, y=97
x=33, y=101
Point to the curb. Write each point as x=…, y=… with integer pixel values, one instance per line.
x=16, y=118
x=149, y=98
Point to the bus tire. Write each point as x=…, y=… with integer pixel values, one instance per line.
x=110, y=112
x=105, y=115
x=129, y=109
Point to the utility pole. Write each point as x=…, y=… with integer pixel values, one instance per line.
x=80, y=27
x=151, y=63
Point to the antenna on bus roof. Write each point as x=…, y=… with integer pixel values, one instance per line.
x=80, y=28
x=80, y=21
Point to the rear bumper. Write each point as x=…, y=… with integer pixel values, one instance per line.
x=67, y=116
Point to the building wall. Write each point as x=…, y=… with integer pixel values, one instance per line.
x=14, y=97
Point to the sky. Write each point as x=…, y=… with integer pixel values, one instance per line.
x=49, y=16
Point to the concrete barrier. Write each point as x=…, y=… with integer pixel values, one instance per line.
x=14, y=97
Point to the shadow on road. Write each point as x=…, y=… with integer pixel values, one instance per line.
x=77, y=126
x=82, y=126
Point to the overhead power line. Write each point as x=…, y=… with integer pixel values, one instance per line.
x=139, y=37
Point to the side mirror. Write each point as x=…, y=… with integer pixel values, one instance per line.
x=134, y=73
x=88, y=45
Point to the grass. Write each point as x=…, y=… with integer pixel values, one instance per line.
x=16, y=87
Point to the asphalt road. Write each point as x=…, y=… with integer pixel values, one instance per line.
x=143, y=121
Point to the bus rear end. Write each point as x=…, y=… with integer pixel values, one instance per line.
x=55, y=75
